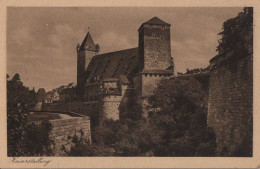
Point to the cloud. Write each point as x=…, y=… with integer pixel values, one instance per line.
x=41, y=42
x=115, y=40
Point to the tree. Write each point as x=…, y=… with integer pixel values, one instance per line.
x=177, y=126
x=180, y=115
x=237, y=33
x=24, y=138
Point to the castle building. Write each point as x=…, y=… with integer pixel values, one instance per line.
x=110, y=80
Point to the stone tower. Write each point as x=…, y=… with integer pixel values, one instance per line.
x=155, y=60
x=155, y=45
x=85, y=53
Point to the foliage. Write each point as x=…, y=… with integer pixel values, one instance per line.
x=24, y=138
x=181, y=116
x=237, y=33
x=176, y=127
x=81, y=146
x=18, y=93
x=38, y=142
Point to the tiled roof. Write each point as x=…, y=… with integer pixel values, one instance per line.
x=112, y=65
x=88, y=43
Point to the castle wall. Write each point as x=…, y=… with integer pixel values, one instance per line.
x=85, y=108
x=109, y=107
x=230, y=106
x=92, y=91
x=64, y=129
x=150, y=83
x=138, y=85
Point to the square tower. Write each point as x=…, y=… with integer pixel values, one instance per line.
x=155, y=60
x=155, y=45
x=85, y=52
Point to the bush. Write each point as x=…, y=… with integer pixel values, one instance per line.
x=177, y=126
x=81, y=146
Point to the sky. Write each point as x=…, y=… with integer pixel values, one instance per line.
x=41, y=41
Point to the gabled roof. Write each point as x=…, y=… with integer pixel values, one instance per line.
x=88, y=43
x=112, y=65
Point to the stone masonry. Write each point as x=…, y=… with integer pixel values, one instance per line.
x=230, y=107
x=64, y=129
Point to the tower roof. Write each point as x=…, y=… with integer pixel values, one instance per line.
x=155, y=21
x=88, y=43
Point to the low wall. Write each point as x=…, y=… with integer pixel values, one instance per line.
x=84, y=108
x=64, y=129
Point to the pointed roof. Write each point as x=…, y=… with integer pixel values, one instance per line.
x=88, y=43
x=155, y=21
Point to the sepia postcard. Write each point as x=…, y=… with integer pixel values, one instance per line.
x=129, y=84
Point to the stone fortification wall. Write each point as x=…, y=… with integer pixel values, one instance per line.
x=84, y=108
x=111, y=105
x=150, y=83
x=64, y=129
x=231, y=103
